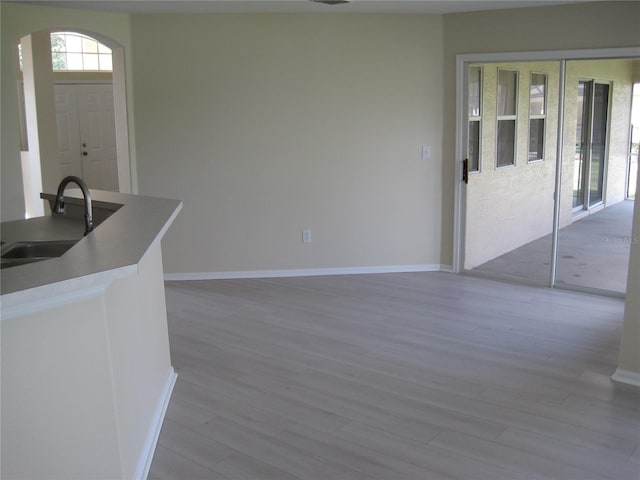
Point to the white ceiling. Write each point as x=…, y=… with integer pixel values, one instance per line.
x=278, y=6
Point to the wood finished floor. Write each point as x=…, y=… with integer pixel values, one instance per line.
x=394, y=376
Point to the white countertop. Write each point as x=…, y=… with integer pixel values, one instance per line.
x=112, y=250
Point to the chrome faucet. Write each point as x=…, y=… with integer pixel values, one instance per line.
x=58, y=207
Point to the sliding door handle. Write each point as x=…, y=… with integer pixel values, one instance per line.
x=465, y=171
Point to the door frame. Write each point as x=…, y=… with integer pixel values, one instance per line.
x=462, y=60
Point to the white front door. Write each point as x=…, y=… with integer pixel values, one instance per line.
x=86, y=134
x=67, y=121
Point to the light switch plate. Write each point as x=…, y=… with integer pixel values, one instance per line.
x=426, y=152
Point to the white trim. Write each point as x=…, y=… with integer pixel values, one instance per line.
x=557, y=189
x=30, y=304
x=82, y=82
x=126, y=172
x=532, y=56
x=52, y=295
x=460, y=193
x=305, y=272
x=626, y=376
x=144, y=463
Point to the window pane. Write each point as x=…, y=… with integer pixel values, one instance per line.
x=506, y=142
x=58, y=42
x=103, y=49
x=537, y=100
x=507, y=92
x=536, y=139
x=473, y=152
x=59, y=60
x=89, y=45
x=474, y=91
x=105, y=62
x=74, y=61
x=91, y=61
x=74, y=43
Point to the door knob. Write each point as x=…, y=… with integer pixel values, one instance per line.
x=84, y=154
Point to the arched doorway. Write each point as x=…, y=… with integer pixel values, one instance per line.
x=44, y=134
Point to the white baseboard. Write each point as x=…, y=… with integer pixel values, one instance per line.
x=626, y=376
x=144, y=463
x=306, y=272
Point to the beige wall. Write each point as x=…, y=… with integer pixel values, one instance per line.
x=20, y=20
x=512, y=205
x=268, y=124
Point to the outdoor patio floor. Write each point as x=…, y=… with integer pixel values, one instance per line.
x=593, y=252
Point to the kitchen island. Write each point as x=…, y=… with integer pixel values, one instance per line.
x=86, y=369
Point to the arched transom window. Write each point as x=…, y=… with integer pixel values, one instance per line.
x=75, y=52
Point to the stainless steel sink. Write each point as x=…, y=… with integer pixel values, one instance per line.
x=20, y=253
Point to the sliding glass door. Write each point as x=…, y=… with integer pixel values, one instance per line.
x=512, y=129
x=520, y=181
x=591, y=145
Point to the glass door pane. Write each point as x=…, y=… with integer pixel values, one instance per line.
x=598, y=142
x=595, y=217
x=474, y=101
x=582, y=143
x=509, y=210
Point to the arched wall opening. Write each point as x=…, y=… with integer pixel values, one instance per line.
x=40, y=163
